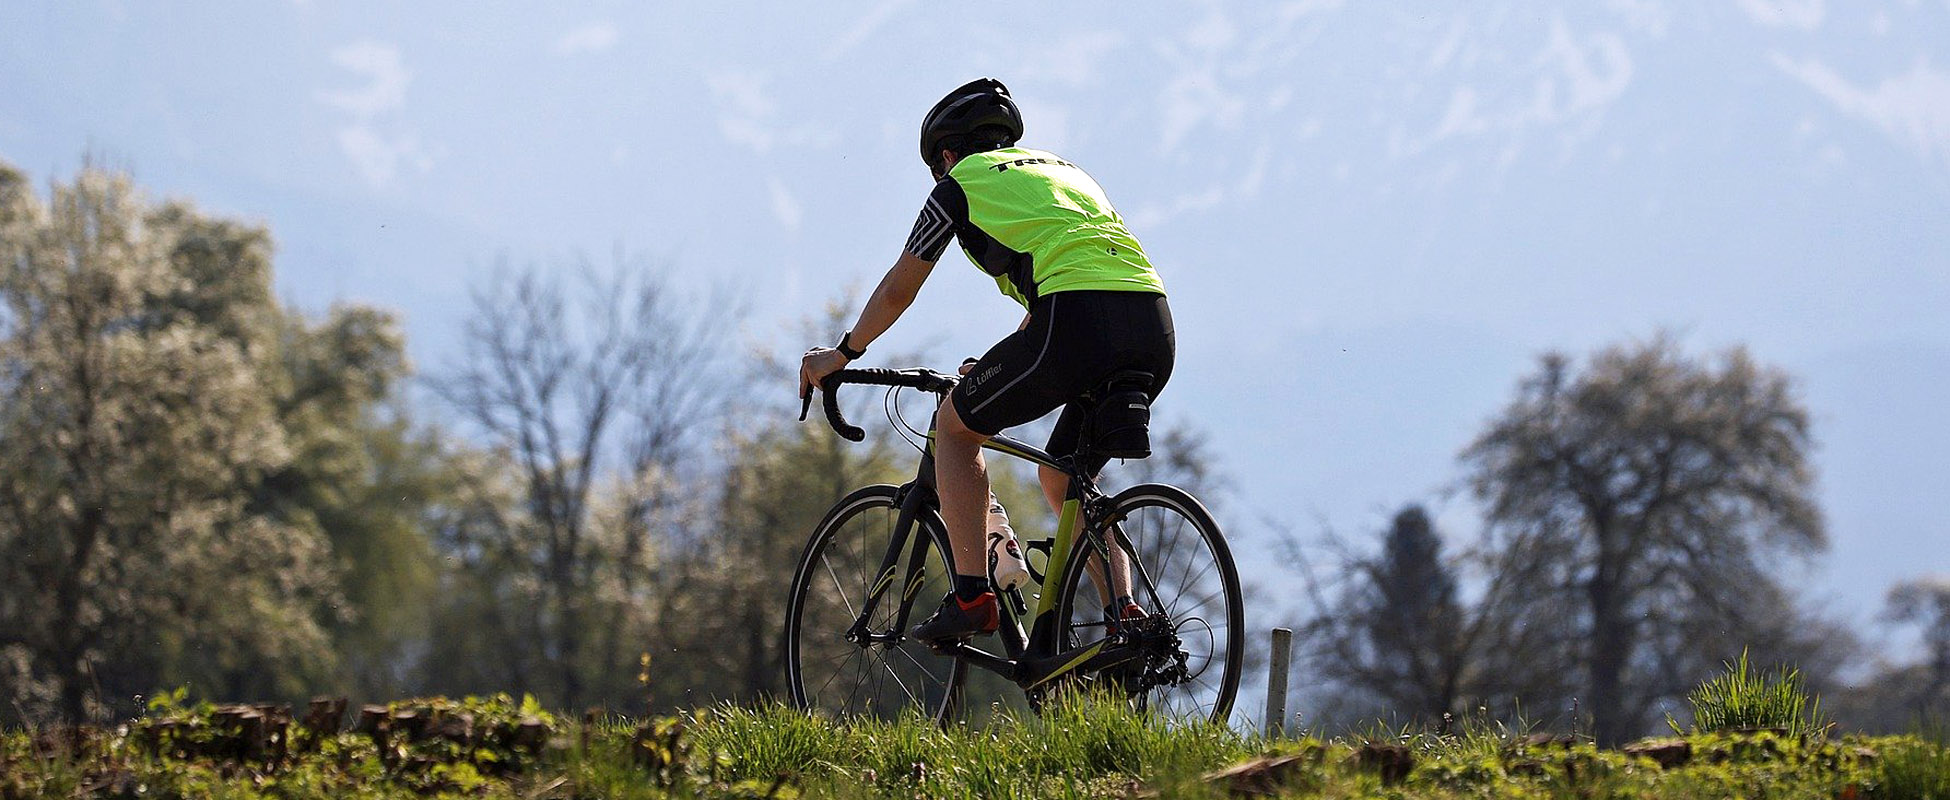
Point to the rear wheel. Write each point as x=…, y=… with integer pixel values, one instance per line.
x=843, y=670
x=1183, y=576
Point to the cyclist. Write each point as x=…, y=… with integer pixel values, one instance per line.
x=1047, y=234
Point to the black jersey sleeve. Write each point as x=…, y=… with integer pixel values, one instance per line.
x=945, y=212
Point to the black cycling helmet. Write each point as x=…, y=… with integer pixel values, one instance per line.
x=979, y=103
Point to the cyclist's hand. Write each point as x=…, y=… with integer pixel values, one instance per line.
x=966, y=365
x=818, y=363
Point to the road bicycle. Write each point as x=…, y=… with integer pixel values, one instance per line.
x=883, y=548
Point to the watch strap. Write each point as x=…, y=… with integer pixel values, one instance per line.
x=846, y=347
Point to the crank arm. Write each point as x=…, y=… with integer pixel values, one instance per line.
x=979, y=657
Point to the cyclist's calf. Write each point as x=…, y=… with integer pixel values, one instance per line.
x=961, y=480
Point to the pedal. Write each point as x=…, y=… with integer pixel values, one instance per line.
x=947, y=647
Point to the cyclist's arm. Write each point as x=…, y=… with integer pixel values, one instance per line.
x=890, y=299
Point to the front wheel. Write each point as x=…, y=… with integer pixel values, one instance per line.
x=1183, y=577
x=839, y=667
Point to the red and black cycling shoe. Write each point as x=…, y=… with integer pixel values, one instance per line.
x=959, y=619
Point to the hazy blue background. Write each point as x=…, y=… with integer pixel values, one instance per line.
x=1371, y=216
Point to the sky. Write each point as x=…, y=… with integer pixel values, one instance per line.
x=1372, y=217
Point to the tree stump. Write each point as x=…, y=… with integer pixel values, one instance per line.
x=1266, y=775
x=373, y=722
x=1392, y=762
x=325, y=716
x=530, y=735
x=1562, y=741
x=1669, y=752
x=242, y=733
x=458, y=728
x=412, y=722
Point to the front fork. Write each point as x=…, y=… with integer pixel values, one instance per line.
x=913, y=505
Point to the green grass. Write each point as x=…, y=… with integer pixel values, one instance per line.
x=1744, y=699
x=1082, y=748
x=1913, y=768
x=1076, y=749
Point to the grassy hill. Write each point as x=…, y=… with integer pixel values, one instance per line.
x=498, y=748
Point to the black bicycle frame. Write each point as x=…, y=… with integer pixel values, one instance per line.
x=1031, y=660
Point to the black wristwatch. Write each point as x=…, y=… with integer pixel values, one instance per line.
x=847, y=349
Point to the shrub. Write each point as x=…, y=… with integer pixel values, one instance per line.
x=1743, y=698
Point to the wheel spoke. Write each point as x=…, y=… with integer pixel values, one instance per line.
x=896, y=678
x=917, y=664
x=1184, y=575
x=857, y=684
x=837, y=587
x=836, y=673
x=1201, y=601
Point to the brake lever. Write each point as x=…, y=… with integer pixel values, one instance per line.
x=805, y=403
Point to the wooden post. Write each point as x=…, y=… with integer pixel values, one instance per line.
x=1276, y=682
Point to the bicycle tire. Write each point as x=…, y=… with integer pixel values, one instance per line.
x=1169, y=526
x=846, y=549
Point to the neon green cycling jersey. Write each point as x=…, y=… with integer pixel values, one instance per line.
x=1035, y=222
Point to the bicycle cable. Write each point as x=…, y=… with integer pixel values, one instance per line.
x=891, y=404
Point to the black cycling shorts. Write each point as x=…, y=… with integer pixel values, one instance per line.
x=1075, y=341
